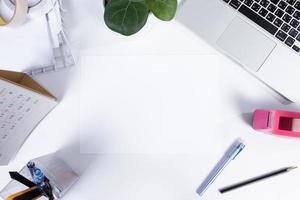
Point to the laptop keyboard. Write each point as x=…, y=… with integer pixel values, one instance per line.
x=280, y=18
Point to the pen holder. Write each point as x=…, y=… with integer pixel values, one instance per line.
x=60, y=175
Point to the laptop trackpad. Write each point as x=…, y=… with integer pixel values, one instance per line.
x=245, y=44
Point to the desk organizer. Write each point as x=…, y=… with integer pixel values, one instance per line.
x=61, y=177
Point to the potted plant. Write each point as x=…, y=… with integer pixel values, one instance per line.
x=127, y=17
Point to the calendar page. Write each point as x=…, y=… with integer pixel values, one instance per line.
x=21, y=109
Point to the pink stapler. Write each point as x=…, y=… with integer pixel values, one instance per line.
x=277, y=122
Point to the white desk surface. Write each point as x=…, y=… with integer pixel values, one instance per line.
x=164, y=176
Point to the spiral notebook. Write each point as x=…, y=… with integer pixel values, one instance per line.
x=23, y=104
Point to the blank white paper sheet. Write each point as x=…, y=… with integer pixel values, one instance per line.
x=149, y=104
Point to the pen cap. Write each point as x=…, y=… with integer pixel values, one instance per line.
x=235, y=149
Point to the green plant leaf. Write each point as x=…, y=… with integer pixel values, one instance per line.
x=163, y=9
x=126, y=16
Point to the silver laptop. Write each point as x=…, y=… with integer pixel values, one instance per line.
x=263, y=36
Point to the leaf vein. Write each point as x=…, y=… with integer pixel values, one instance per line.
x=117, y=12
x=136, y=12
x=164, y=2
x=126, y=9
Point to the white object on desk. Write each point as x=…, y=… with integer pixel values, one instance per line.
x=62, y=56
x=23, y=104
x=36, y=8
x=18, y=16
x=39, y=45
x=22, y=47
x=130, y=104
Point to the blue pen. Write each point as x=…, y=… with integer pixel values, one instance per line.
x=230, y=154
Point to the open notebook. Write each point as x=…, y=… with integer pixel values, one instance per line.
x=23, y=104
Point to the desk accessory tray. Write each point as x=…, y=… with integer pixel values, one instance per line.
x=61, y=177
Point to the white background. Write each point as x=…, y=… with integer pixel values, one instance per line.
x=168, y=176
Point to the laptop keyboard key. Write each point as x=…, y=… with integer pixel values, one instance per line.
x=264, y=3
x=287, y=18
x=256, y=7
x=270, y=17
x=298, y=38
x=235, y=3
x=290, y=10
x=271, y=8
x=294, y=23
x=282, y=5
x=248, y=2
x=285, y=27
x=297, y=5
x=290, y=41
x=226, y=1
x=279, y=13
x=278, y=22
x=296, y=48
x=297, y=15
x=293, y=33
x=281, y=35
x=263, y=12
x=258, y=20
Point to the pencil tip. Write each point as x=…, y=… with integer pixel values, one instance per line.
x=291, y=168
